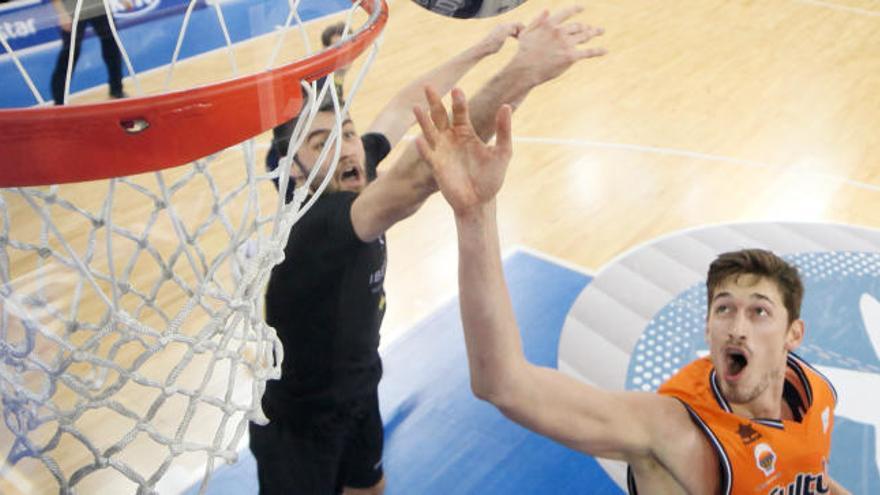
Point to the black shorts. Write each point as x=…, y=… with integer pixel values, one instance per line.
x=321, y=452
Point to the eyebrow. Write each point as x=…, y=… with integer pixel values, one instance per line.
x=754, y=295
x=763, y=297
x=324, y=132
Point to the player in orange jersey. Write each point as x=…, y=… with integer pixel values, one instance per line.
x=750, y=418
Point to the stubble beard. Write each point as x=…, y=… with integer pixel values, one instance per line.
x=736, y=395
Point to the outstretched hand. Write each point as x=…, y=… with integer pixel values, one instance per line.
x=469, y=172
x=550, y=44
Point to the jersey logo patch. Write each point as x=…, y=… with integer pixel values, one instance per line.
x=765, y=458
x=748, y=434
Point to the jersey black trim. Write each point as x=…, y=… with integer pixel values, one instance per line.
x=770, y=422
x=724, y=460
x=631, y=481
x=799, y=360
x=794, y=400
x=716, y=391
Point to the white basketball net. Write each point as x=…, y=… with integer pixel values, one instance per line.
x=133, y=351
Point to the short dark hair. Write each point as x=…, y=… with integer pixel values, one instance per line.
x=764, y=264
x=330, y=31
x=280, y=143
x=281, y=134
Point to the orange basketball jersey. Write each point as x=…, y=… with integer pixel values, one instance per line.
x=764, y=456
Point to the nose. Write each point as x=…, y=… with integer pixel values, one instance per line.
x=739, y=327
x=349, y=147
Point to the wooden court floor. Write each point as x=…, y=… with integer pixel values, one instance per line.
x=701, y=113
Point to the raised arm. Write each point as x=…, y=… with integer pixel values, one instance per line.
x=396, y=117
x=469, y=174
x=547, y=48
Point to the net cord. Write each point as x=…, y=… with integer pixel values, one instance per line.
x=240, y=321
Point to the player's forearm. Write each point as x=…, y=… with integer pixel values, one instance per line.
x=394, y=196
x=396, y=118
x=493, y=343
x=509, y=86
x=443, y=77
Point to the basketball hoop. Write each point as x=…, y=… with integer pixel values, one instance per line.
x=132, y=340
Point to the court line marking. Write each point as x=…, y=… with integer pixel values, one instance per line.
x=584, y=143
x=842, y=8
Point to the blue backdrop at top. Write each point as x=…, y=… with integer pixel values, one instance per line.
x=148, y=31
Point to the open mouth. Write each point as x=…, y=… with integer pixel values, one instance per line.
x=737, y=360
x=351, y=172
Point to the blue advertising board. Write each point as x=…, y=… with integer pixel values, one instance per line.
x=148, y=29
x=27, y=23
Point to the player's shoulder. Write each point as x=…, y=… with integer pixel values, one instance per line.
x=663, y=417
x=690, y=382
x=331, y=209
x=376, y=142
x=668, y=416
x=376, y=148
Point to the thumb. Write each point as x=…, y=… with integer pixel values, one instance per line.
x=425, y=151
x=503, y=131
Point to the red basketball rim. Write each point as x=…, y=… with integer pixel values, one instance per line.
x=56, y=145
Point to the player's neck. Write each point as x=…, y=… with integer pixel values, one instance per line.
x=768, y=405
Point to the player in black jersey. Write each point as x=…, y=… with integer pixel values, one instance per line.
x=326, y=299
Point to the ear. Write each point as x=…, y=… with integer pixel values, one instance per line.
x=794, y=335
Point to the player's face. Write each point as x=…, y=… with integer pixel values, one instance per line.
x=749, y=337
x=350, y=174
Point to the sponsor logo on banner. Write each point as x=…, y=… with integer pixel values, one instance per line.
x=27, y=23
x=18, y=28
x=130, y=9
